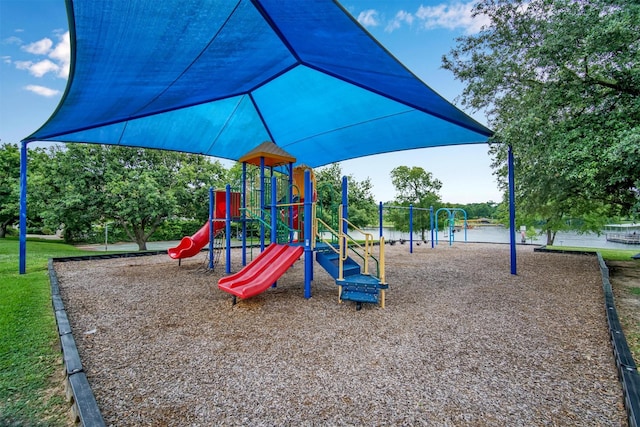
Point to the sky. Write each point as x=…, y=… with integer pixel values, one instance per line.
x=34, y=50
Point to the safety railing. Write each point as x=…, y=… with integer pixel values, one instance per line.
x=284, y=230
x=348, y=245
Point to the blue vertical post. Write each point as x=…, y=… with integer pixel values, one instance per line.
x=244, y=213
x=345, y=202
x=465, y=225
x=380, y=220
x=290, y=198
x=262, y=203
x=274, y=216
x=308, y=227
x=512, y=212
x=227, y=230
x=211, y=226
x=431, y=223
x=451, y=222
x=410, y=228
x=23, y=208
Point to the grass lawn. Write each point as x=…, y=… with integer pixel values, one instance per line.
x=607, y=254
x=31, y=378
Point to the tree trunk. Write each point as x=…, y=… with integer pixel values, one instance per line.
x=3, y=228
x=551, y=236
x=142, y=245
x=140, y=239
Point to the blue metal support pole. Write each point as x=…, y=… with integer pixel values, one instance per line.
x=23, y=208
x=512, y=212
x=380, y=215
x=290, y=208
x=410, y=228
x=451, y=221
x=211, y=226
x=244, y=213
x=274, y=216
x=308, y=227
x=262, y=203
x=431, y=224
x=227, y=230
x=345, y=202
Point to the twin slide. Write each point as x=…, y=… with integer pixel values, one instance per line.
x=190, y=245
x=257, y=276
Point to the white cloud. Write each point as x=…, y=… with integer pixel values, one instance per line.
x=42, y=91
x=401, y=17
x=369, y=18
x=6, y=59
x=23, y=65
x=452, y=16
x=59, y=55
x=41, y=47
x=12, y=40
x=40, y=68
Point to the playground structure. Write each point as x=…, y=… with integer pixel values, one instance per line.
x=190, y=246
x=451, y=224
x=279, y=202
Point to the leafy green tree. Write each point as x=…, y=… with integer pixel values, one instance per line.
x=9, y=186
x=196, y=174
x=416, y=187
x=84, y=185
x=362, y=204
x=560, y=81
x=67, y=189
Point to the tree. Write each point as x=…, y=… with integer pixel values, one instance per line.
x=139, y=189
x=416, y=187
x=362, y=204
x=560, y=81
x=9, y=186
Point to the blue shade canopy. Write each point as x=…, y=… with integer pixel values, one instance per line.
x=219, y=77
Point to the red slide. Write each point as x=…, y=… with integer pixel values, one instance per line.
x=262, y=272
x=190, y=246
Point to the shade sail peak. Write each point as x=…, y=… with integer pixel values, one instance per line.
x=303, y=74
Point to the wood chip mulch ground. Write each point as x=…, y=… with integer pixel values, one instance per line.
x=462, y=342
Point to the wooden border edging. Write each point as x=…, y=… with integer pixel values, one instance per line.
x=627, y=369
x=84, y=407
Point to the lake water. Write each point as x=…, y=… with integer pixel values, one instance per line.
x=501, y=235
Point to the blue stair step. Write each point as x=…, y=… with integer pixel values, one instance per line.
x=361, y=288
x=330, y=261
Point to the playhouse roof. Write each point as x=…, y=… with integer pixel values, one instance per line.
x=272, y=154
x=218, y=77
